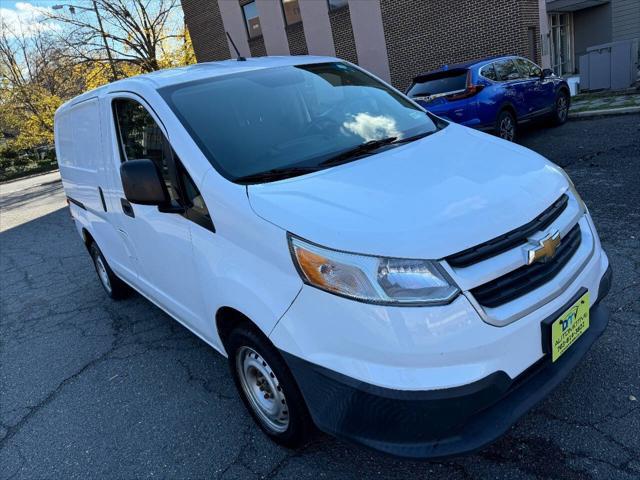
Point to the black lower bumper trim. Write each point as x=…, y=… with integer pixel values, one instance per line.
x=605, y=284
x=439, y=423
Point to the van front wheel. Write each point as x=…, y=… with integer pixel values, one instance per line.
x=115, y=288
x=268, y=388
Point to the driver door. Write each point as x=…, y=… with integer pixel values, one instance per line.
x=161, y=240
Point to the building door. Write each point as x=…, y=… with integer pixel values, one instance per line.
x=561, y=44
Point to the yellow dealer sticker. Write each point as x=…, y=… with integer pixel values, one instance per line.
x=569, y=326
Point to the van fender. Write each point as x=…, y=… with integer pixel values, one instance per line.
x=255, y=310
x=246, y=265
x=261, y=295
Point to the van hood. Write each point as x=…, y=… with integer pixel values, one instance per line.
x=426, y=199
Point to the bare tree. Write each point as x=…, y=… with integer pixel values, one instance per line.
x=31, y=67
x=37, y=73
x=120, y=31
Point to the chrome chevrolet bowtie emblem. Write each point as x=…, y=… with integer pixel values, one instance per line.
x=546, y=249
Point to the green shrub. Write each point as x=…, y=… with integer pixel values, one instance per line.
x=15, y=164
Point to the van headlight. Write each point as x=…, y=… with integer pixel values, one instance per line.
x=380, y=280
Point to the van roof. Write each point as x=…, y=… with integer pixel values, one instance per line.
x=172, y=76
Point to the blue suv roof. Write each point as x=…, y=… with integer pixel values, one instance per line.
x=463, y=65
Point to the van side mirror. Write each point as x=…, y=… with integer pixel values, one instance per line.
x=142, y=183
x=546, y=72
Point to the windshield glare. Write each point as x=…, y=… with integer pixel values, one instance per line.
x=292, y=116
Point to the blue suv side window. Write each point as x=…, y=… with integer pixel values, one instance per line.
x=528, y=69
x=506, y=70
x=489, y=72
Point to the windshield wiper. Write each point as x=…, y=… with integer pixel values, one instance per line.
x=415, y=137
x=357, y=151
x=275, y=174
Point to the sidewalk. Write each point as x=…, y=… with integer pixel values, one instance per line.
x=26, y=199
x=24, y=183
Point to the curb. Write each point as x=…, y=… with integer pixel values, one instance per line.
x=600, y=113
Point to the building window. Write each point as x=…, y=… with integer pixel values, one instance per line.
x=561, y=43
x=337, y=4
x=291, y=10
x=251, y=18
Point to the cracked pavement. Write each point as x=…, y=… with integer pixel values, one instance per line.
x=94, y=388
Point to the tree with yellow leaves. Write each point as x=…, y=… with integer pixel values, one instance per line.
x=43, y=67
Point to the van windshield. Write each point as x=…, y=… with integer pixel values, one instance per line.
x=293, y=119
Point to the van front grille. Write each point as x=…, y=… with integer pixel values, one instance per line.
x=510, y=239
x=529, y=277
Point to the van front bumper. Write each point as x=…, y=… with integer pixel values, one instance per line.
x=436, y=423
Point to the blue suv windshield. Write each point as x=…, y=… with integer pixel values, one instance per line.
x=290, y=117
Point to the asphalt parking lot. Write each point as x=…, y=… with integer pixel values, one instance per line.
x=91, y=388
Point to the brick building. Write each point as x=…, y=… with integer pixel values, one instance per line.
x=395, y=39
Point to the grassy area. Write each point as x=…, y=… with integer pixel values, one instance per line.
x=603, y=106
x=607, y=93
x=591, y=102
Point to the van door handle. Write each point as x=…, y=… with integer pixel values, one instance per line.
x=127, y=208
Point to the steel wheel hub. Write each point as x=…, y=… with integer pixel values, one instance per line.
x=262, y=389
x=102, y=273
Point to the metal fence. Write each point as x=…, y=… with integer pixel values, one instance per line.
x=610, y=66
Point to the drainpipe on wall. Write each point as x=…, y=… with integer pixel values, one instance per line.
x=545, y=41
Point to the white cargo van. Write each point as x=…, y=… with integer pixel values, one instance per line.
x=367, y=268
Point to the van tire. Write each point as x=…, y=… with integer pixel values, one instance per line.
x=113, y=286
x=506, y=125
x=560, y=112
x=253, y=357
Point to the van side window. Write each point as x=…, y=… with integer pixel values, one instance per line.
x=141, y=137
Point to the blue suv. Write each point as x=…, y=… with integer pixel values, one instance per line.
x=495, y=94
